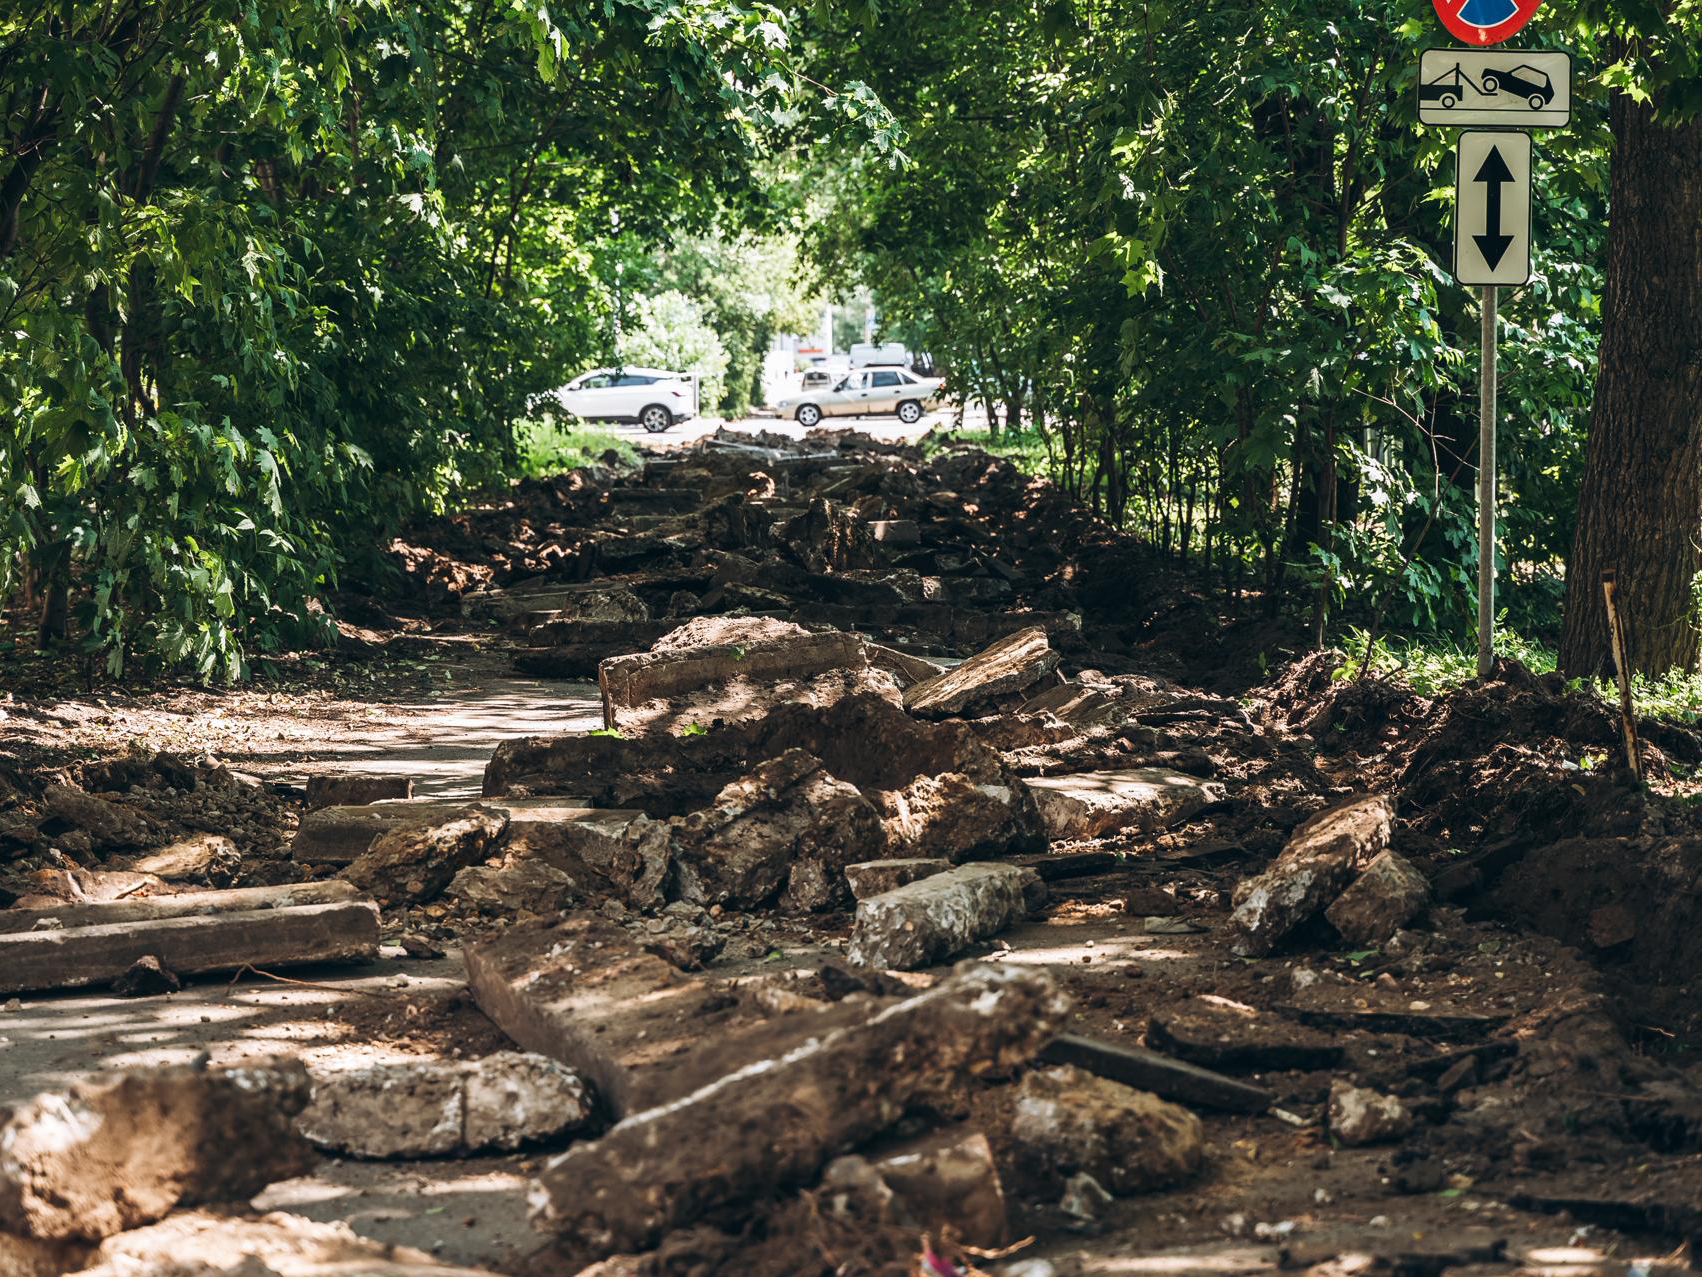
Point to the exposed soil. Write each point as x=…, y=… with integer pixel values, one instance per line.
x=1541, y=1022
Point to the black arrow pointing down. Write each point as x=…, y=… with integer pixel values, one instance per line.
x=1493, y=173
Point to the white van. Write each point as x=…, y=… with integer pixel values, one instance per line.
x=891, y=353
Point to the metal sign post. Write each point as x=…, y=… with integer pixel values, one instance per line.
x=1486, y=484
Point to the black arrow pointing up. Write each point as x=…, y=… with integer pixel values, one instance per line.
x=1493, y=173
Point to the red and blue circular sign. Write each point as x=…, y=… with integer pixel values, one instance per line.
x=1483, y=22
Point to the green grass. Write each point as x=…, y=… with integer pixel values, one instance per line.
x=1432, y=666
x=1026, y=448
x=550, y=445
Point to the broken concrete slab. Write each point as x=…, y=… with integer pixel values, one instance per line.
x=590, y=994
x=205, y=1244
x=897, y=533
x=873, y=877
x=712, y=649
x=945, y=1180
x=627, y=851
x=1168, y=1078
x=356, y=790
x=121, y=1149
x=176, y=905
x=1389, y=893
x=436, y=1107
x=933, y=919
x=1084, y=805
x=1015, y=662
x=1319, y=859
x=788, y=824
x=414, y=863
x=70, y=957
x=1069, y=1122
x=774, y=1124
x=1223, y=1034
x=341, y=835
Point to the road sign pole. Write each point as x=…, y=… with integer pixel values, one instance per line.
x=1486, y=485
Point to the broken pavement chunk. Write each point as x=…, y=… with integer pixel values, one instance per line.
x=1318, y=861
x=743, y=657
x=872, y=877
x=1388, y=894
x=203, y=1244
x=434, y=1107
x=934, y=919
x=355, y=790
x=121, y=1149
x=1069, y=1122
x=775, y=1123
x=788, y=823
x=208, y=857
x=69, y=957
x=1092, y=804
x=1015, y=662
x=414, y=863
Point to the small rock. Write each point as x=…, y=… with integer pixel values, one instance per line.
x=1359, y=1115
x=145, y=978
x=1084, y=1199
x=1388, y=893
x=1068, y=1121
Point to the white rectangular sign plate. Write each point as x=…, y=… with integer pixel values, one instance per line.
x=1492, y=209
x=1508, y=88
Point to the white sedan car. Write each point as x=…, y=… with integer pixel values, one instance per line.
x=653, y=397
x=863, y=393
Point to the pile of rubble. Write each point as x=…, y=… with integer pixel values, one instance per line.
x=781, y=953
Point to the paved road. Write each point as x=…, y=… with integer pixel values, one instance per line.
x=890, y=428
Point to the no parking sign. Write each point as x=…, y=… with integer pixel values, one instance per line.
x=1481, y=22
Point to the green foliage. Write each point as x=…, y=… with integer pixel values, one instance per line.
x=276, y=274
x=549, y=445
x=669, y=331
x=1201, y=252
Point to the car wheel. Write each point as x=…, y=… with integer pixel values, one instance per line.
x=1448, y=100
x=1536, y=102
x=808, y=415
x=655, y=418
x=910, y=412
x=1491, y=83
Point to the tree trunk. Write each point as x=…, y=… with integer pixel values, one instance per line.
x=1640, y=504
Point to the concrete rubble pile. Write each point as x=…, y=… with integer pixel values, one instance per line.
x=762, y=960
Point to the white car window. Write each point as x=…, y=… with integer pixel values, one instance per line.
x=886, y=379
x=602, y=381
x=633, y=379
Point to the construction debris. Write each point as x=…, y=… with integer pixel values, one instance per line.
x=933, y=919
x=416, y=862
x=873, y=877
x=81, y=945
x=1093, y=804
x=433, y=1107
x=1388, y=894
x=1068, y=1122
x=1317, y=863
x=1359, y=1115
x=351, y=789
x=670, y=1165
x=787, y=829
x=1012, y=664
x=118, y=1150
x=203, y=1244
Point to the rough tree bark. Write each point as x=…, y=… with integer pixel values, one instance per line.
x=1640, y=505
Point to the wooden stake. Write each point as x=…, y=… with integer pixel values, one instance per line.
x=1621, y=664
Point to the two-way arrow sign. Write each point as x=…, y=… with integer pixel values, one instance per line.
x=1492, y=209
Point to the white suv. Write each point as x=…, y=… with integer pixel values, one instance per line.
x=653, y=397
x=865, y=392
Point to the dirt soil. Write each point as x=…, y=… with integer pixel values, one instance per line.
x=1541, y=1021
